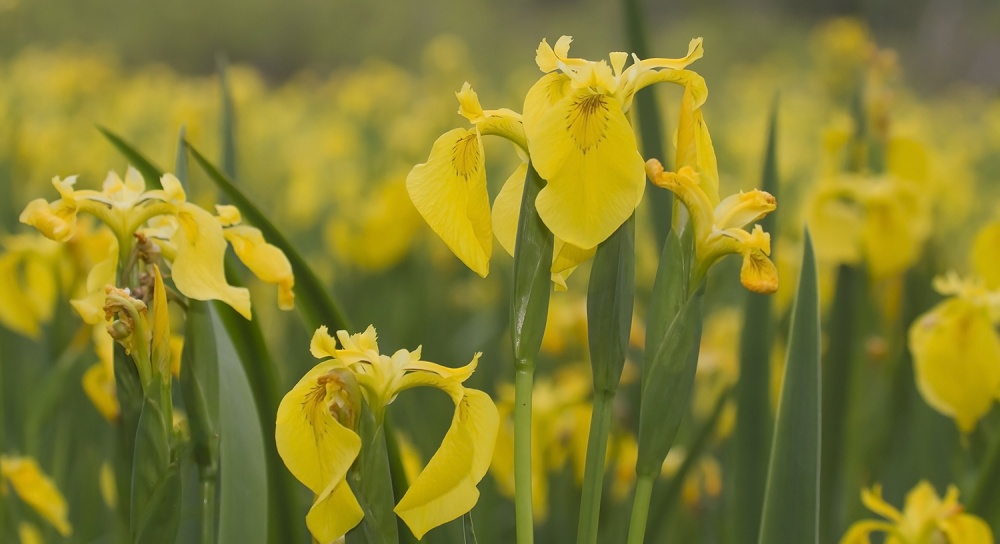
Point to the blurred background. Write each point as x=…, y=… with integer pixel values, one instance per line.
x=336, y=101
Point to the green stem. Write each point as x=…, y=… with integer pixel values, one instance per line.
x=208, y=509
x=640, y=509
x=593, y=472
x=523, y=379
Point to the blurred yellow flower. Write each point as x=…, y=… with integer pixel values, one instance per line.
x=99, y=379
x=925, y=519
x=29, y=283
x=36, y=490
x=317, y=436
x=956, y=351
x=718, y=225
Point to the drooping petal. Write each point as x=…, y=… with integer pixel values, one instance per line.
x=265, y=260
x=335, y=512
x=585, y=149
x=16, y=312
x=966, y=529
x=446, y=488
x=449, y=191
x=37, y=490
x=758, y=273
x=316, y=447
x=956, y=356
x=860, y=532
x=198, y=268
x=56, y=221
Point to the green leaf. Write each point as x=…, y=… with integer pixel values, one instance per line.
x=243, y=478
x=532, y=273
x=156, y=483
x=985, y=499
x=181, y=160
x=311, y=297
x=150, y=172
x=130, y=400
x=791, y=502
x=671, y=356
x=468, y=530
x=228, y=118
x=752, y=435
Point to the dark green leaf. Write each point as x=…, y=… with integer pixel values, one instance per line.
x=752, y=435
x=199, y=382
x=311, y=297
x=227, y=123
x=150, y=172
x=243, y=478
x=610, y=296
x=373, y=482
x=791, y=502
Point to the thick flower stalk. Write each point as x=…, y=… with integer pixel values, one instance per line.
x=317, y=432
x=926, y=519
x=191, y=239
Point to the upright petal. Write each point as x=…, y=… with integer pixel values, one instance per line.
x=199, y=269
x=584, y=147
x=449, y=191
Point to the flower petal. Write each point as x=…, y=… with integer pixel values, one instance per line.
x=446, y=488
x=966, y=529
x=985, y=257
x=266, y=261
x=585, y=149
x=507, y=209
x=198, y=269
x=335, y=512
x=316, y=448
x=449, y=191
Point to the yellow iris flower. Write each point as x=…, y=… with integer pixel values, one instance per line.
x=581, y=142
x=577, y=136
x=925, y=519
x=190, y=237
x=955, y=345
x=29, y=283
x=36, y=490
x=317, y=439
x=718, y=225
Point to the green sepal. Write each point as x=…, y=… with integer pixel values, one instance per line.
x=672, y=342
x=532, y=273
x=156, y=483
x=752, y=434
x=791, y=502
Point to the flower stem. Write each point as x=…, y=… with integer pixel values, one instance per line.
x=208, y=510
x=640, y=509
x=593, y=472
x=523, y=378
